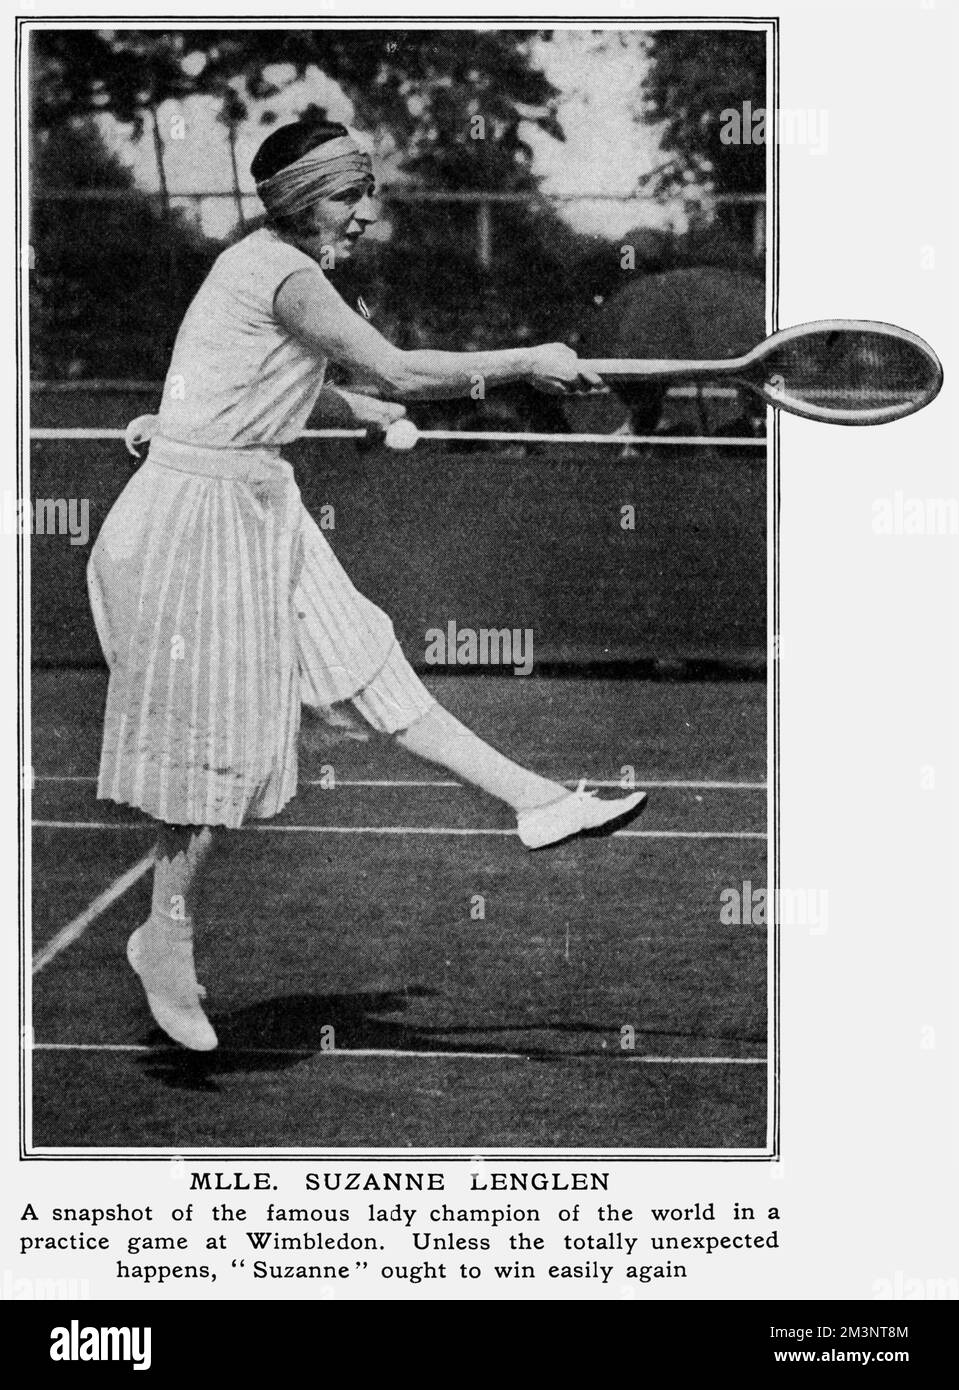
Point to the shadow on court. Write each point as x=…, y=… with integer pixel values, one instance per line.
x=278, y=1034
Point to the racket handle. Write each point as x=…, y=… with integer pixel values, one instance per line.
x=652, y=369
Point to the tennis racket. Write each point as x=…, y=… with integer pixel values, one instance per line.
x=842, y=371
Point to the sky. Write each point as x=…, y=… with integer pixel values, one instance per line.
x=607, y=147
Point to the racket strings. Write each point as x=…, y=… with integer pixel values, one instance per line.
x=843, y=368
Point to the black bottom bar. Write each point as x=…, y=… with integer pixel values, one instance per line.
x=189, y=1340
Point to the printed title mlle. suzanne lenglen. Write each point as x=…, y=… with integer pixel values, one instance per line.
x=481, y=1180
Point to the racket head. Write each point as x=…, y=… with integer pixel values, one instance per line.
x=846, y=371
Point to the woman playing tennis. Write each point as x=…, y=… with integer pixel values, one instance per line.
x=219, y=604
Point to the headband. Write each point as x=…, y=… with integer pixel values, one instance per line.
x=320, y=173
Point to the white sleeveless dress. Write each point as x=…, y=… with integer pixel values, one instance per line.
x=219, y=603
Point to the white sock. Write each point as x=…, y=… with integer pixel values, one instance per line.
x=180, y=854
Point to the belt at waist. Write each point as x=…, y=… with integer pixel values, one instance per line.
x=259, y=464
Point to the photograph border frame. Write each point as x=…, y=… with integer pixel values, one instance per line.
x=30, y=1152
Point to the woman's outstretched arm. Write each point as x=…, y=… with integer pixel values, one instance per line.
x=309, y=307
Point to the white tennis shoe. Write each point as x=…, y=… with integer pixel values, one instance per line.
x=579, y=813
x=173, y=995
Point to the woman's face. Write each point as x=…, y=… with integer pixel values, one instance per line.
x=334, y=225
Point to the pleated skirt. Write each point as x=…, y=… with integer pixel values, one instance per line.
x=220, y=608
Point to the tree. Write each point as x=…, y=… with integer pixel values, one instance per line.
x=695, y=76
x=111, y=279
x=453, y=106
x=125, y=73
x=423, y=88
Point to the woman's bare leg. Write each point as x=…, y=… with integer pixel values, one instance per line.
x=546, y=812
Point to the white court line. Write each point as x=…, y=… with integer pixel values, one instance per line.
x=405, y=830
x=75, y=929
x=566, y=782
x=399, y=1052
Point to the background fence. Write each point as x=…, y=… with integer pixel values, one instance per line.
x=114, y=270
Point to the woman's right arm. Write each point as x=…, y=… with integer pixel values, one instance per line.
x=308, y=307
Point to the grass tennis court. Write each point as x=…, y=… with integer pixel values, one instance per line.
x=352, y=912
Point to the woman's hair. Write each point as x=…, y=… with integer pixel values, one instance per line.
x=291, y=142
x=282, y=148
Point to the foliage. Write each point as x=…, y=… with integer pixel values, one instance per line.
x=694, y=77
x=449, y=108
x=111, y=280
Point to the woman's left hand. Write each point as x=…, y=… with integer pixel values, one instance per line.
x=368, y=410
